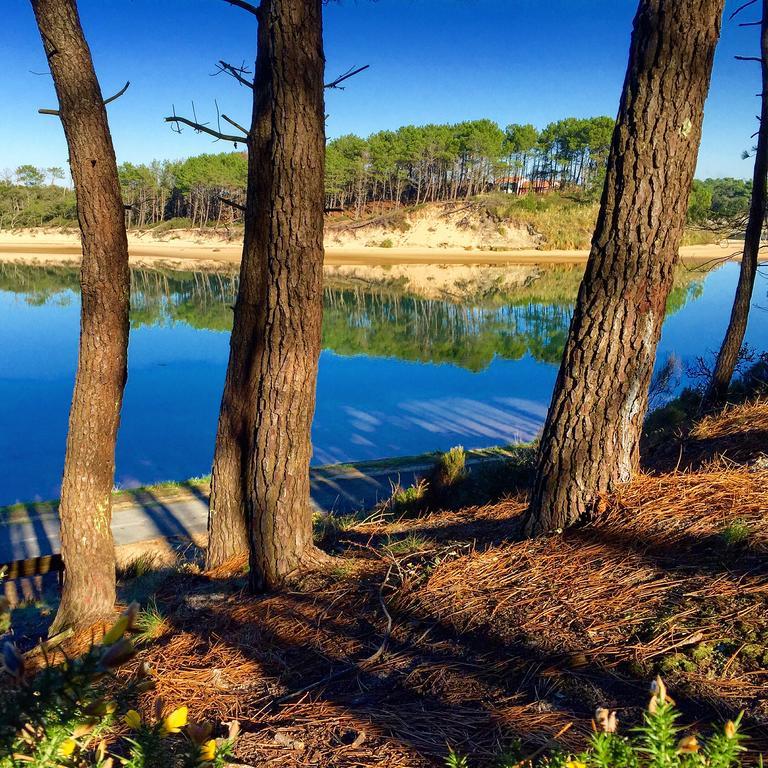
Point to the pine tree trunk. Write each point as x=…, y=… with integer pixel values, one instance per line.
x=264, y=446
x=86, y=495
x=591, y=435
x=728, y=356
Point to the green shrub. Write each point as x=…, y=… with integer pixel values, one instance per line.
x=659, y=742
x=408, y=500
x=64, y=715
x=450, y=467
x=387, y=243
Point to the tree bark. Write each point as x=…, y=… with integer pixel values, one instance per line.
x=86, y=494
x=727, y=358
x=261, y=472
x=591, y=435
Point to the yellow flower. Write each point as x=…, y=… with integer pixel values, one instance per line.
x=68, y=746
x=174, y=722
x=730, y=729
x=575, y=764
x=132, y=719
x=208, y=751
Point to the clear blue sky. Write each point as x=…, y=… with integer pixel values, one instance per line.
x=431, y=61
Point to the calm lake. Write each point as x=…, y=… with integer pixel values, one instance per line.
x=399, y=374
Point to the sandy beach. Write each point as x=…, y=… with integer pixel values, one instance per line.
x=191, y=251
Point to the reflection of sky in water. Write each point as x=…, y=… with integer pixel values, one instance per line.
x=492, y=385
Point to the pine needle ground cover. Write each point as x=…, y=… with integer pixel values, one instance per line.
x=448, y=632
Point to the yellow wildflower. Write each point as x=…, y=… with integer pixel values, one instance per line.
x=174, y=722
x=132, y=719
x=208, y=751
x=67, y=748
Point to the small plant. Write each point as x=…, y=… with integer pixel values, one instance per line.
x=409, y=544
x=387, y=243
x=64, y=714
x=405, y=501
x=150, y=623
x=454, y=760
x=143, y=564
x=736, y=533
x=451, y=467
x=328, y=527
x=658, y=743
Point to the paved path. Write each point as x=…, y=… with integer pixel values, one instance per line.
x=339, y=490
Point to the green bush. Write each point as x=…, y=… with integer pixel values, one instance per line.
x=64, y=715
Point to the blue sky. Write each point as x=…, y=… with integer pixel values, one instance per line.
x=431, y=61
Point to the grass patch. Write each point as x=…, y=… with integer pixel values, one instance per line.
x=736, y=533
x=409, y=544
x=564, y=222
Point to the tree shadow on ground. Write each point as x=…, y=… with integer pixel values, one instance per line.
x=474, y=684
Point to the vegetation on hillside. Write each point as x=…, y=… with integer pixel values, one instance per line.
x=186, y=194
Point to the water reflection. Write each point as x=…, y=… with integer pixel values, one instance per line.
x=377, y=321
x=399, y=373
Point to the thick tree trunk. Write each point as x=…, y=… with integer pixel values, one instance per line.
x=591, y=435
x=717, y=391
x=264, y=447
x=86, y=495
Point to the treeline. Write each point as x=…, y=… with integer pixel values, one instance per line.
x=719, y=202
x=407, y=166
x=429, y=163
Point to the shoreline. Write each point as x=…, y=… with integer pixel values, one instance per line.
x=56, y=249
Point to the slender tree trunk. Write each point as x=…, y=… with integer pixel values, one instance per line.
x=591, y=435
x=86, y=495
x=717, y=391
x=267, y=411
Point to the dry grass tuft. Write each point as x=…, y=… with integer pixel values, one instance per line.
x=736, y=420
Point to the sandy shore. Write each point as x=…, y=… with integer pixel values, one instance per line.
x=187, y=251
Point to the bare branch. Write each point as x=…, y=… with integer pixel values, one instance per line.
x=741, y=8
x=56, y=113
x=747, y=58
x=237, y=72
x=118, y=94
x=236, y=125
x=227, y=201
x=254, y=10
x=333, y=210
x=751, y=23
x=200, y=128
x=341, y=78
